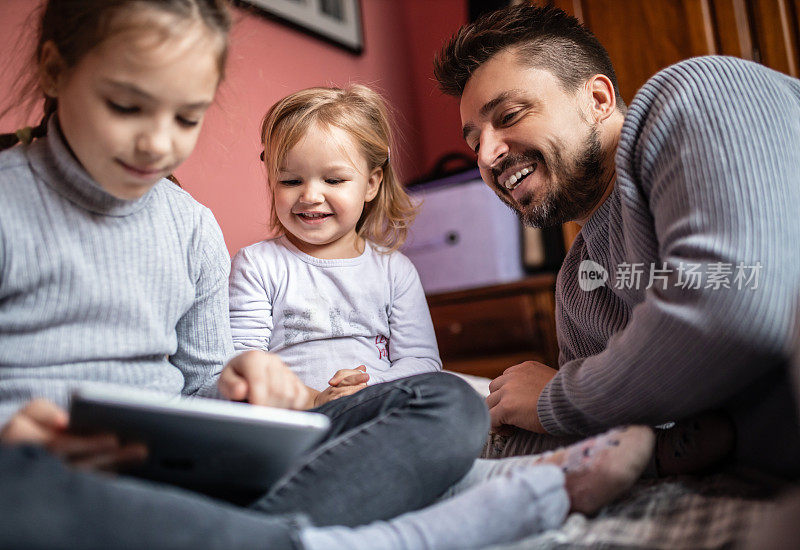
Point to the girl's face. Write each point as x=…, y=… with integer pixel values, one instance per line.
x=321, y=190
x=131, y=109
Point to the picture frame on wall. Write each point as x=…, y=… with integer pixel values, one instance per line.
x=335, y=21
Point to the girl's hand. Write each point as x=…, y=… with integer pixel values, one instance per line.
x=350, y=377
x=43, y=423
x=261, y=378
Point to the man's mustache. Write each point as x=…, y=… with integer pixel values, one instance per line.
x=531, y=155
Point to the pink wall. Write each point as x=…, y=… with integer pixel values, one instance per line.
x=269, y=60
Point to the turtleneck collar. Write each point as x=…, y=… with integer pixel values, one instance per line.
x=53, y=161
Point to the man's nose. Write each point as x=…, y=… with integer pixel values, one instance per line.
x=492, y=150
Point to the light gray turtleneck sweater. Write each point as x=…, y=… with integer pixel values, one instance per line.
x=99, y=290
x=708, y=173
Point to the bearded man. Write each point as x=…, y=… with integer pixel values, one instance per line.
x=679, y=294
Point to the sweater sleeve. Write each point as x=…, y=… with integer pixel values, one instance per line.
x=204, y=337
x=712, y=147
x=250, y=304
x=412, y=341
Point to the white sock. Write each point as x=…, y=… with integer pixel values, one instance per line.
x=486, y=468
x=505, y=508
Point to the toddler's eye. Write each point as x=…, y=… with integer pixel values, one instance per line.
x=290, y=183
x=122, y=109
x=333, y=181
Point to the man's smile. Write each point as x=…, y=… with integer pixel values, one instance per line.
x=512, y=181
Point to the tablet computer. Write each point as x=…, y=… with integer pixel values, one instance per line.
x=204, y=444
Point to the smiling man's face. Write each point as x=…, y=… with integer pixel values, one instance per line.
x=536, y=149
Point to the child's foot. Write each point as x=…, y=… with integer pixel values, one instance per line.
x=597, y=469
x=694, y=445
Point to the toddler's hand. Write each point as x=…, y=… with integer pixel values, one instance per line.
x=43, y=423
x=262, y=379
x=332, y=393
x=350, y=377
x=344, y=382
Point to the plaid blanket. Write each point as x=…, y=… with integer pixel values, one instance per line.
x=672, y=513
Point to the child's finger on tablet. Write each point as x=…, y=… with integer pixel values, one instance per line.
x=70, y=447
x=112, y=461
x=38, y=422
x=231, y=385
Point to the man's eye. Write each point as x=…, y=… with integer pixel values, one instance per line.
x=122, y=109
x=508, y=117
x=475, y=148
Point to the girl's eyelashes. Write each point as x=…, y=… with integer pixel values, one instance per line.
x=187, y=122
x=122, y=109
x=330, y=181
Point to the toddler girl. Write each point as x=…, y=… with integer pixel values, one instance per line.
x=332, y=293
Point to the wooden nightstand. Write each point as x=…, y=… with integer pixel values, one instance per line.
x=483, y=331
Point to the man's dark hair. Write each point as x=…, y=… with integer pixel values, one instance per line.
x=542, y=37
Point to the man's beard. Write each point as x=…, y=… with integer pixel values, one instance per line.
x=572, y=193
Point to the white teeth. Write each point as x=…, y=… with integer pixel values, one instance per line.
x=512, y=182
x=313, y=214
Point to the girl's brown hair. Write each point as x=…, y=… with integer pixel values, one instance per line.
x=363, y=114
x=78, y=26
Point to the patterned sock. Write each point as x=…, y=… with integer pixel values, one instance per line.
x=503, y=509
x=597, y=469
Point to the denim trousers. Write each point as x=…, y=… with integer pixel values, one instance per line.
x=391, y=448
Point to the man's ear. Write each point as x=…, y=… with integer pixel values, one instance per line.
x=374, y=183
x=602, y=101
x=51, y=69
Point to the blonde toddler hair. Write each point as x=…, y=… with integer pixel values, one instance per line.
x=363, y=114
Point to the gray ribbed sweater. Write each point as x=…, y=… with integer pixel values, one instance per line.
x=95, y=289
x=708, y=172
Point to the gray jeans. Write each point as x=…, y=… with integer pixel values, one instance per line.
x=392, y=448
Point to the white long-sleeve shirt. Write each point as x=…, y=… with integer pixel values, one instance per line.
x=320, y=315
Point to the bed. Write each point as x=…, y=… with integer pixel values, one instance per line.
x=674, y=513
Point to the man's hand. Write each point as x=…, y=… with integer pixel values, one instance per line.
x=41, y=422
x=344, y=382
x=514, y=394
x=262, y=379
